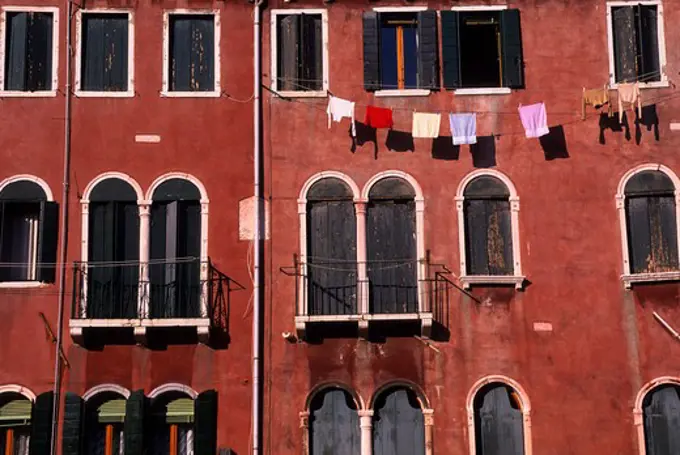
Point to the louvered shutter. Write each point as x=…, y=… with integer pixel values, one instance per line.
x=511, y=41
x=72, y=430
x=134, y=423
x=428, y=52
x=39, y=52
x=41, y=424
x=625, y=43
x=650, y=68
x=451, y=49
x=205, y=417
x=288, y=52
x=48, y=232
x=371, y=21
x=16, y=49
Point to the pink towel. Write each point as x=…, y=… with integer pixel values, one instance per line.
x=534, y=119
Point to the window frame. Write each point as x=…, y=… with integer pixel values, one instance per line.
x=55, y=51
x=467, y=280
x=274, y=15
x=638, y=411
x=165, y=89
x=627, y=277
x=130, y=92
x=661, y=39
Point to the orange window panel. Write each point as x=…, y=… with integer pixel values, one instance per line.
x=400, y=58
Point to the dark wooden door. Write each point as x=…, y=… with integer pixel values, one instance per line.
x=500, y=429
x=398, y=424
x=662, y=421
x=334, y=424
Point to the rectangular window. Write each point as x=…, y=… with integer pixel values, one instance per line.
x=636, y=43
x=191, y=49
x=104, y=52
x=29, y=37
x=400, y=50
x=299, y=52
x=482, y=49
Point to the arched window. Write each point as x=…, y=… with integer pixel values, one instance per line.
x=398, y=423
x=499, y=421
x=175, y=250
x=651, y=223
x=172, y=421
x=661, y=416
x=331, y=249
x=104, y=420
x=113, y=250
x=15, y=424
x=391, y=247
x=334, y=423
x=28, y=231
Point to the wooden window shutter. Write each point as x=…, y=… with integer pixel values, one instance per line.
x=662, y=421
x=476, y=230
x=511, y=42
x=39, y=52
x=72, y=430
x=48, y=232
x=41, y=424
x=371, y=21
x=134, y=423
x=202, y=66
x=428, y=51
x=450, y=49
x=500, y=425
x=650, y=67
x=205, y=417
x=625, y=43
x=288, y=52
x=639, y=247
x=16, y=49
x=311, y=60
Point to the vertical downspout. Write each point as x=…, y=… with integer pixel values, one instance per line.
x=257, y=237
x=63, y=230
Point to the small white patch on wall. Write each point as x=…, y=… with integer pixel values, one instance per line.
x=543, y=327
x=246, y=219
x=147, y=138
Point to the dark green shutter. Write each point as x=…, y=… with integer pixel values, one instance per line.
x=650, y=68
x=16, y=49
x=48, y=232
x=39, y=52
x=511, y=42
x=205, y=417
x=134, y=423
x=72, y=431
x=428, y=52
x=41, y=424
x=451, y=49
x=625, y=43
x=371, y=21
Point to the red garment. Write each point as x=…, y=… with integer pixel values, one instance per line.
x=378, y=117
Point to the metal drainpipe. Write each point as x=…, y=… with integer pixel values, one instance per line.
x=63, y=242
x=257, y=250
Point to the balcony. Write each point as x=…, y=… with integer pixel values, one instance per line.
x=179, y=293
x=399, y=291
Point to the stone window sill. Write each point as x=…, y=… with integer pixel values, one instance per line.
x=480, y=280
x=642, y=278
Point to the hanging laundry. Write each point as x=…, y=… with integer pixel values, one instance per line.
x=534, y=120
x=463, y=128
x=426, y=125
x=629, y=93
x=339, y=109
x=378, y=117
x=597, y=98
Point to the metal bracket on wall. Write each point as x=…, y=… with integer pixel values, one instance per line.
x=50, y=334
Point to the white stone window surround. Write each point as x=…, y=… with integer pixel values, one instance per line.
x=165, y=89
x=50, y=198
x=130, y=92
x=18, y=389
x=104, y=388
x=661, y=39
x=638, y=413
x=275, y=13
x=467, y=280
x=628, y=277
x=526, y=410
x=55, y=51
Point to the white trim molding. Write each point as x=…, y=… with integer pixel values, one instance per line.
x=103, y=388
x=480, y=8
x=401, y=92
x=16, y=388
x=130, y=92
x=660, y=38
x=483, y=91
x=274, y=15
x=165, y=90
x=628, y=277
x=467, y=280
x=55, y=51
x=30, y=178
x=399, y=9
x=173, y=387
x=638, y=413
x=525, y=403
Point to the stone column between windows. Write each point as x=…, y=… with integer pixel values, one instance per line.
x=420, y=251
x=366, y=425
x=205, y=272
x=304, y=427
x=429, y=424
x=301, y=272
x=362, y=273
x=144, y=228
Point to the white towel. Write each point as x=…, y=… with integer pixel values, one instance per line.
x=534, y=120
x=339, y=109
x=426, y=125
x=463, y=128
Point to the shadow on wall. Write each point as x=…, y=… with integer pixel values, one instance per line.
x=554, y=144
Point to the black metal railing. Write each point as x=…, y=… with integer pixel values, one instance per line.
x=175, y=289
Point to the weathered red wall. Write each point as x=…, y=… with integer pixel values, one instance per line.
x=210, y=138
x=582, y=378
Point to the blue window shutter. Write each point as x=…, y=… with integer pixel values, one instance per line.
x=48, y=230
x=450, y=49
x=134, y=423
x=371, y=21
x=41, y=424
x=72, y=431
x=511, y=42
x=428, y=51
x=205, y=415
